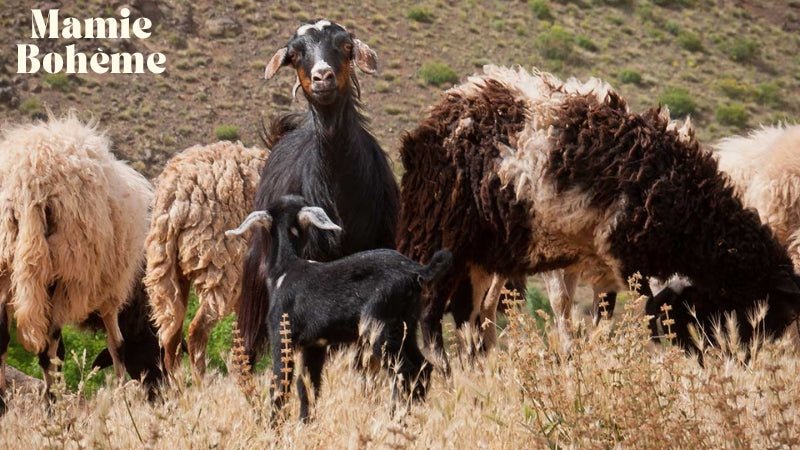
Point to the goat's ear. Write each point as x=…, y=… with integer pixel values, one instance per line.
x=277, y=61
x=314, y=215
x=786, y=283
x=255, y=218
x=366, y=59
x=103, y=360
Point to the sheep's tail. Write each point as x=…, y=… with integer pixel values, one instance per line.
x=31, y=273
x=254, y=301
x=166, y=287
x=437, y=266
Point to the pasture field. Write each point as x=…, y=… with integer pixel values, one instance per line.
x=614, y=389
x=729, y=64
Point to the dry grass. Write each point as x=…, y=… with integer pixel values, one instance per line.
x=615, y=389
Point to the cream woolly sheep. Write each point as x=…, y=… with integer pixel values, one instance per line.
x=202, y=192
x=72, y=223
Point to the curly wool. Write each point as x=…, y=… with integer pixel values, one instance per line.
x=72, y=220
x=202, y=192
x=765, y=169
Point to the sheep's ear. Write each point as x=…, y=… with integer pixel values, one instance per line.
x=366, y=59
x=314, y=215
x=277, y=61
x=103, y=360
x=255, y=218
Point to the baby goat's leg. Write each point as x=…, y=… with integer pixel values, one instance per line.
x=282, y=373
x=313, y=361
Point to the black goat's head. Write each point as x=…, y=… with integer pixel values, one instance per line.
x=322, y=53
x=290, y=213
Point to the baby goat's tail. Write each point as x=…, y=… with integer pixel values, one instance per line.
x=437, y=266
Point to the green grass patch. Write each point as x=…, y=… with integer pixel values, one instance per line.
x=437, y=74
x=734, y=114
x=630, y=76
x=420, y=14
x=227, y=132
x=690, y=41
x=679, y=101
x=31, y=106
x=769, y=94
x=733, y=89
x=541, y=9
x=743, y=49
x=555, y=43
x=586, y=44
x=58, y=81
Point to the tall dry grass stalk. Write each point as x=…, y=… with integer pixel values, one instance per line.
x=613, y=388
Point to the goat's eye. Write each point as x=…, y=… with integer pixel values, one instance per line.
x=293, y=56
x=348, y=48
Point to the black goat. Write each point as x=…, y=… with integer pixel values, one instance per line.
x=328, y=156
x=372, y=296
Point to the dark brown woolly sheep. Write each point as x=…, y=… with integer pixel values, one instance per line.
x=521, y=173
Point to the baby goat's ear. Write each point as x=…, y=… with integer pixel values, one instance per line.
x=277, y=61
x=255, y=218
x=314, y=215
x=366, y=58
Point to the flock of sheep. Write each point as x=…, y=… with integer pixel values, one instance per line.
x=512, y=173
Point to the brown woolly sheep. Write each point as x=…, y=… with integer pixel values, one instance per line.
x=202, y=192
x=72, y=223
x=521, y=173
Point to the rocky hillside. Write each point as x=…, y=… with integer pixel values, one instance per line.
x=731, y=64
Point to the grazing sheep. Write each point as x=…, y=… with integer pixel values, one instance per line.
x=328, y=156
x=521, y=173
x=72, y=223
x=764, y=168
x=371, y=296
x=202, y=192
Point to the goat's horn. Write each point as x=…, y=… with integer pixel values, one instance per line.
x=255, y=218
x=295, y=88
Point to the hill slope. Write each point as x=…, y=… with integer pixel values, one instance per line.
x=732, y=64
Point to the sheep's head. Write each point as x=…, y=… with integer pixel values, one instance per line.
x=323, y=54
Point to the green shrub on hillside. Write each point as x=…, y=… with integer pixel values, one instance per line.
x=690, y=41
x=734, y=114
x=679, y=101
x=227, y=132
x=630, y=76
x=420, y=14
x=743, y=49
x=437, y=74
x=541, y=9
x=58, y=81
x=769, y=94
x=734, y=89
x=555, y=43
x=586, y=43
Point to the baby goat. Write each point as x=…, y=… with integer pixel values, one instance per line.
x=371, y=296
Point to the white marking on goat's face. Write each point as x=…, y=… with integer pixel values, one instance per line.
x=319, y=26
x=319, y=66
x=295, y=232
x=280, y=281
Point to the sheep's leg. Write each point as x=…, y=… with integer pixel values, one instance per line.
x=282, y=374
x=53, y=351
x=115, y=343
x=313, y=361
x=469, y=334
x=489, y=312
x=603, y=293
x=199, y=332
x=171, y=340
x=5, y=338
